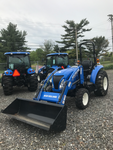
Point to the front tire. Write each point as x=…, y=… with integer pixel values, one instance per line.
x=7, y=83
x=82, y=98
x=102, y=83
x=32, y=85
x=40, y=77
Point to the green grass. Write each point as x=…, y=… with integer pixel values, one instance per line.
x=0, y=79
x=1, y=71
x=107, y=65
x=105, y=62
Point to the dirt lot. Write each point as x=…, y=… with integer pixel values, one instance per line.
x=89, y=129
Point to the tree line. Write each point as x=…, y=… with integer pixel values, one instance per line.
x=12, y=39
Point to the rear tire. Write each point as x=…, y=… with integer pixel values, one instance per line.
x=102, y=83
x=7, y=83
x=32, y=85
x=82, y=98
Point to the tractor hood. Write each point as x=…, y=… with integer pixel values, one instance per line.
x=66, y=72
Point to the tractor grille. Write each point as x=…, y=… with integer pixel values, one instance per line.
x=56, y=80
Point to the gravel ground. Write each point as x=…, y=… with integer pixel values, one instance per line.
x=89, y=129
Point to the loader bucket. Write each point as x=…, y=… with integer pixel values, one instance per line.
x=45, y=115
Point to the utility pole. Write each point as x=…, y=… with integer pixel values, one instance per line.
x=76, y=43
x=111, y=19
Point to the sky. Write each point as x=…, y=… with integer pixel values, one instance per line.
x=43, y=19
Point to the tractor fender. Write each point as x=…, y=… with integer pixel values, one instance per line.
x=30, y=71
x=68, y=66
x=54, y=67
x=94, y=73
x=8, y=72
x=41, y=69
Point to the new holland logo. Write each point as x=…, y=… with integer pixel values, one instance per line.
x=50, y=96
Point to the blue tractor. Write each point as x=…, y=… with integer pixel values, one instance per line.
x=48, y=109
x=53, y=61
x=18, y=73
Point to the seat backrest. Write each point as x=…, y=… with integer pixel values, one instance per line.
x=87, y=65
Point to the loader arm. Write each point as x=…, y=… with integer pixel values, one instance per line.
x=46, y=82
x=60, y=97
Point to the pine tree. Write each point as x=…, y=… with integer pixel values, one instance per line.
x=69, y=39
x=12, y=40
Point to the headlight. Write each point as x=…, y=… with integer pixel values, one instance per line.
x=61, y=84
x=48, y=76
x=50, y=80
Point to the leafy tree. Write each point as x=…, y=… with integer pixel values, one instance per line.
x=71, y=28
x=33, y=56
x=71, y=53
x=56, y=48
x=107, y=57
x=101, y=46
x=108, y=54
x=47, y=47
x=2, y=57
x=12, y=39
x=40, y=54
x=37, y=55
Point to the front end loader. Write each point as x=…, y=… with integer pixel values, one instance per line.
x=48, y=109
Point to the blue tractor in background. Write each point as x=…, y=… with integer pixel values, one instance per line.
x=48, y=108
x=53, y=61
x=18, y=73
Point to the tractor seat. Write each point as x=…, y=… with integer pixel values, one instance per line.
x=87, y=65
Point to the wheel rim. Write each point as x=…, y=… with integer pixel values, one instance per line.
x=38, y=78
x=105, y=83
x=85, y=99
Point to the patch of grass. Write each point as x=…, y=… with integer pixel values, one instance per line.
x=105, y=62
x=1, y=71
x=105, y=65
x=0, y=78
x=108, y=67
